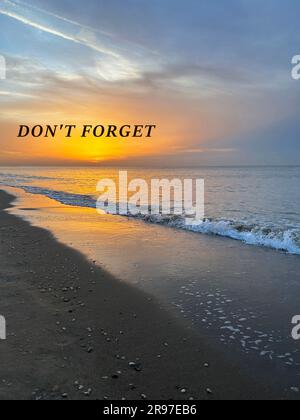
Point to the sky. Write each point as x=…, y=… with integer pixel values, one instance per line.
x=214, y=76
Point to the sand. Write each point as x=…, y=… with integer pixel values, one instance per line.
x=76, y=332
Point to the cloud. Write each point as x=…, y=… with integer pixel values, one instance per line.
x=212, y=80
x=118, y=61
x=211, y=150
x=115, y=59
x=15, y=94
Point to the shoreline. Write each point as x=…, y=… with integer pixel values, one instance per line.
x=76, y=332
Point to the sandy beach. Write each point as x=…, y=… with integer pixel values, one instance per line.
x=75, y=332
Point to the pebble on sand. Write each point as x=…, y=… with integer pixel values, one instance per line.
x=136, y=366
x=88, y=392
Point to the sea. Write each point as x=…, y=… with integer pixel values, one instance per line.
x=255, y=205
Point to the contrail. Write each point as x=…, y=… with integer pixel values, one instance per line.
x=62, y=18
x=26, y=21
x=112, y=36
x=36, y=25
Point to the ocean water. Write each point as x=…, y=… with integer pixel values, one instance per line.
x=256, y=205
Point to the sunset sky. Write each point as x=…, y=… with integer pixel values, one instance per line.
x=214, y=76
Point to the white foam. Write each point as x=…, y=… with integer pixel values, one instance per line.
x=255, y=235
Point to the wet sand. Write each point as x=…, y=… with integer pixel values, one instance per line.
x=76, y=332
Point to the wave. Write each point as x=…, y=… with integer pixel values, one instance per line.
x=251, y=234
x=69, y=199
x=281, y=240
x=20, y=178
